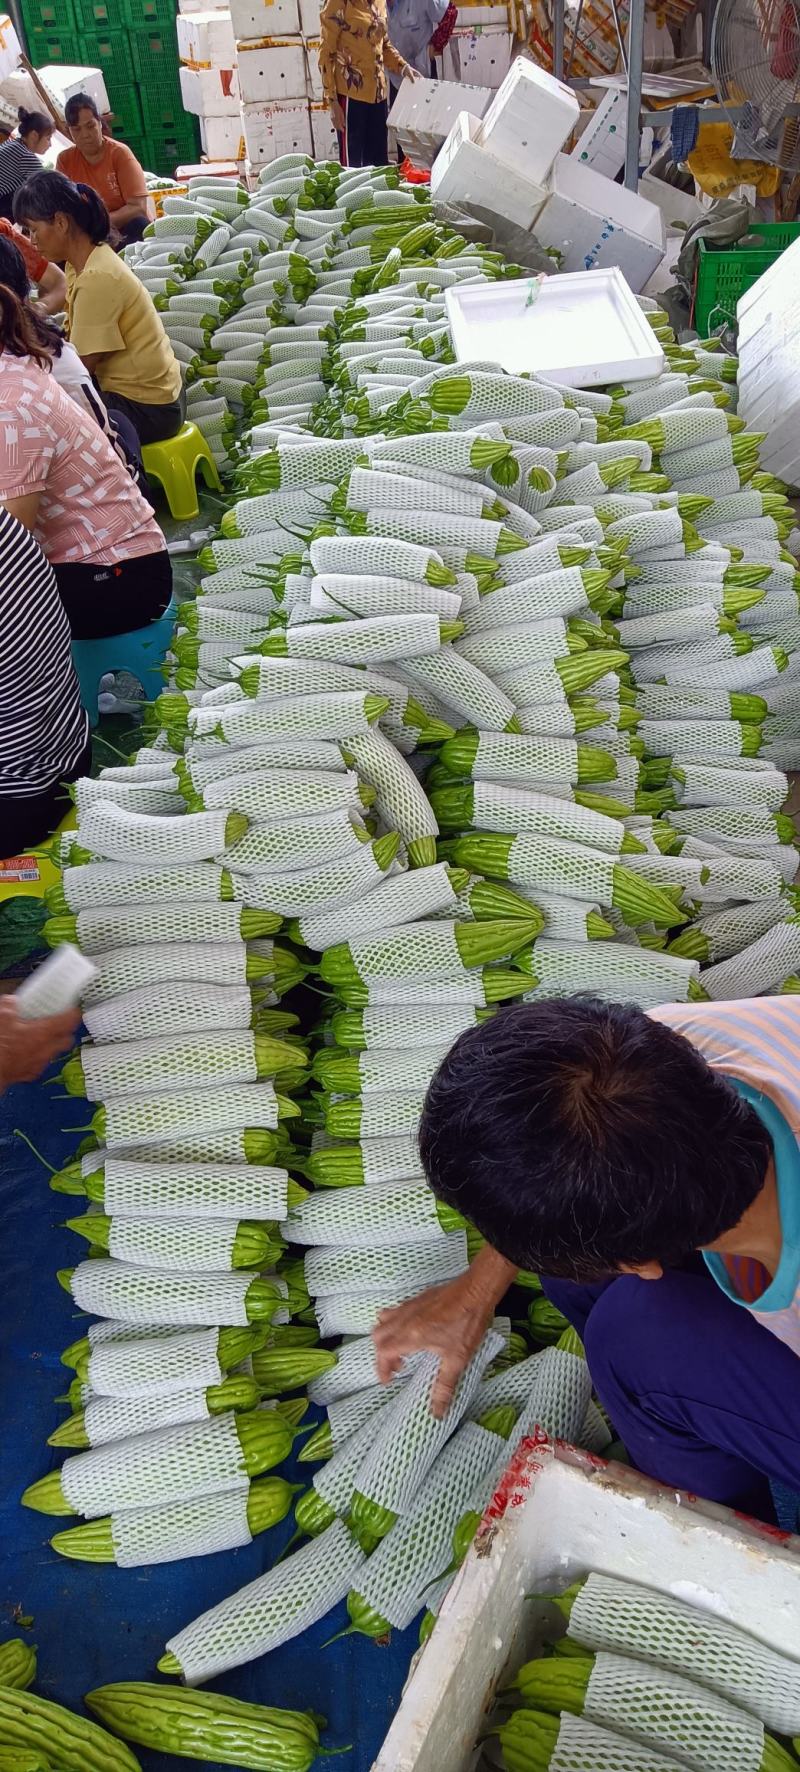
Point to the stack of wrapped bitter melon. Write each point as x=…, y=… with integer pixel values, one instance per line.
x=642, y=1682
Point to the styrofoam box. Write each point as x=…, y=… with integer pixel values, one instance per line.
x=275, y=129
x=309, y=17
x=272, y=70
x=424, y=112
x=324, y=138
x=472, y=13
x=255, y=19
x=61, y=82
x=676, y=206
x=192, y=6
x=210, y=92
x=207, y=37
x=10, y=46
x=594, y=223
x=466, y=173
x=221, y=137
x=529, y=119
x=478, y=56
x=582, y=331
x=555, y=1517
x=602, y=144
x=313, y=75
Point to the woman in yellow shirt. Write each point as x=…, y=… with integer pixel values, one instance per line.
x=112, y=321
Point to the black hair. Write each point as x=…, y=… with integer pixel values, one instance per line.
x=34, y=122
x=80, y=101
x=580, y=1136
x=14, y=274
x=48, y=194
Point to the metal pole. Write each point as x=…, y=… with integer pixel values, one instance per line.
x=635, y=60
x=559, y=8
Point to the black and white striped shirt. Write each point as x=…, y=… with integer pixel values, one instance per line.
x=43, y=727
x=17, y=164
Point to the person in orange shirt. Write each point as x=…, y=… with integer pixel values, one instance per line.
x=108, y=166
x=354, y=56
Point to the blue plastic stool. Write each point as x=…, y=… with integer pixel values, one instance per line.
x=140, y=652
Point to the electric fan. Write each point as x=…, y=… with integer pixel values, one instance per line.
x=755, y=60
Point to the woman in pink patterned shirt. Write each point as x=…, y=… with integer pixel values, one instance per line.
x=61, y=477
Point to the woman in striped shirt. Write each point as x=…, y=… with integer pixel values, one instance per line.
x=44, y=731
x=19, y=157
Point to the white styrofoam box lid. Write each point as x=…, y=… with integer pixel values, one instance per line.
x=255, y=19
x=583, y=329
x=602, y=197
x=602, y=140
x=207, y=37
x=466, y=174
x=61, y=81
x=210, y=92
x=529, y=118
x=478, y=55
x=272, y=70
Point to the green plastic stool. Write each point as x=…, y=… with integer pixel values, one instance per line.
x=174, y=465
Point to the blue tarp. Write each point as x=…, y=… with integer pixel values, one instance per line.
x=93, y=1624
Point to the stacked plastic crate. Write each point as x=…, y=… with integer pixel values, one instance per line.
x=209, y=78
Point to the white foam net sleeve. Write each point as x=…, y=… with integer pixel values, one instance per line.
x=585, y=1747
x=355, y=1370
x=346, y=1416
x=411, y=1436
x=155, y=1366
x=141, y=1295
x=422, y=950
x=399, y=1028
x=619, y=1615
x=169, y=1244
x=189, y=1112
x=130, y=1334
x=97, y=885
x=388, y=1214
x=181, y=1529
x=272, y=1609
x=195, y=1459
x=466, y=989
x=514, y=1385
x=595, y=1435
x=373, y=1269
x=337, y=1479
x=400, y=1070
x=203, y=1190
x=120, y=1418
x=137, y=1067
x=172, y=1007
x=393, y=1113
x=419, y=1547
x=128, y=969
x=391, y=1159
x=356, y=1313
x=757, y=968
x=421, y=893
x=671, y=1713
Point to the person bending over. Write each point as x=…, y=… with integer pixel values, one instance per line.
x=65, y=481
x=113, y=323
x=647, y=1166
x=108, y=166
x=51, y=284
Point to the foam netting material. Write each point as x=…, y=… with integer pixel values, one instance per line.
x=176, y=1243
x=138, y=1066
x=400, y=1070
x=99, y=884
x=507, y=648
x=501, y=807
x=195, y=1459
x=585, y=967
x=732, y=787
x=391, y=1159
x=561, y=867
x=623, y=1617
x=170, y=1008
x=272, y=1609
x=425, y=950
x=181, y=1529
x=400, y=1028
x=757, y=968
x=513, y=1385
x=119, y=1418
x=355, y=1217
x=173, y=922
x=133, y=1121
x=411, y=1436
x=419, y=1546
x=337, y=1479
x=512, y=757
x=421, y=893
x=371, y=1269
x=154, y=1365
x=308, y=716
x=320, y=888
x=127, y=969
x=399, y=992
x=562, y=593
x=272, y=796
x=371, y=554
x=565, y=918
x=585, y=1747
x=392, y=1114
x=340, y=593
x=402, y=799
x=306, y=842
x=141, y=1295
x=208, y=1190
x=728, y=931
x=672, y=1714
x=216, y=1147
x=348, y=1414
x=561, y=1395
x=355, y=1370
x=119, y=836
x=294, y=753
x=697, y=740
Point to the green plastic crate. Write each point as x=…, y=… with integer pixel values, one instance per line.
x=42, y=17
x=154, y=53
x=166, y=149
x=725, y=272
x=97, y=15
x=127, y=123
x=48, y=47
x=140, y=14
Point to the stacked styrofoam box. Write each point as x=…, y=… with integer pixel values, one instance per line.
x=768, y=317
x=501, y=163
x=464, y=174
x=275, y=129
x=424, y=113
x=593, y=222
x=274, y=77
x=478, y=55
x=209, y=79
x=325, y=142
x=602, y=144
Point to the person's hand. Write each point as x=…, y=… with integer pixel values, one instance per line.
x=449, y=1320
x=28, y=1047
x=336, y=114
x=410, y=73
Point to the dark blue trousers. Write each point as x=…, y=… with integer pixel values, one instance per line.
x=703, y=1397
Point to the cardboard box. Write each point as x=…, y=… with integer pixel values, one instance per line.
x=62, y=81
x=478, y=55
x=207, y=39
x=593, y=222
x=424, y=112
x=272, y=70
x=210, y=92
x=466, y=174
x=313, y=75
x=529, y=120
x=255, y=19
x=323, y=134
x=275, y=129
x=221, y=137
x=309, y=17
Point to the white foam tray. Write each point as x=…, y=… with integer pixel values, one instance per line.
x=583, y=328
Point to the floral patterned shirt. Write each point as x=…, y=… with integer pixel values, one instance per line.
x=355, y=50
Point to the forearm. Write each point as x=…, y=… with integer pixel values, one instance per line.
x=395, y=62
x=134, y=207
x=52, y=291
x=489, y=1277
